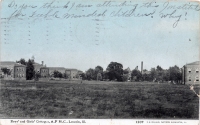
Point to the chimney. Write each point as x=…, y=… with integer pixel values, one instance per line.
x=142, y=67
x=42, y=62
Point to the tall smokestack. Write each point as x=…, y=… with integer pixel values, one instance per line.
x=42, y=62
x=142, y=67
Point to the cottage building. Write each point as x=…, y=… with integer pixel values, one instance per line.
x=42, y=69
x=190, y=73
x=16, y=71
x=44, y=72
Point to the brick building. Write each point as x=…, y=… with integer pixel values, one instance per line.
x=42, y=69
x=16, y=71
x=44, y=72
x=190, y=73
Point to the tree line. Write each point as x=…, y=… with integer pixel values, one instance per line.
x=115, y=72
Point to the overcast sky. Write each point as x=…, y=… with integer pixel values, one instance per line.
x=84, y=43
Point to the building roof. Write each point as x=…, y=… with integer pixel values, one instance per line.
x=56, y=68
x=10, y=63
x=44, y=67
x=71, y=69
x=193, y=63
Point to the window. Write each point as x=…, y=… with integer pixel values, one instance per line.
x=189, y=70
x=197, y=78
x=197, y=70
x=189, y=79
x=17, y=69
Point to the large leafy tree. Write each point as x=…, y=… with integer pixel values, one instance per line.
x=159, y=68
x=159, y=73
x=57, y=74
x=90, y=74
x=99, y=77
x=5, y=71
x=83, y=76
x=99, y=69
x=22, y=61
x=153, y=73
x=30, y=73
x=126, y=74
x=125, y=77
x=98, y=72
x=146, y=77
x=175, y=74
x=136, y=75
x=105, y=75
x=125, y=71
x=115, y=71
x=166, y=75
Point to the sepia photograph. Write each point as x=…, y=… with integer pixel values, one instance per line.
x=99, y=59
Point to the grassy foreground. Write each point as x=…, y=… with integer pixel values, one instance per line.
x=93, y=99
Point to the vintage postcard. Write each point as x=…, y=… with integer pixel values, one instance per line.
x=99, y=62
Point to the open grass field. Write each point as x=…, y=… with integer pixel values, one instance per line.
x=92, y=99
